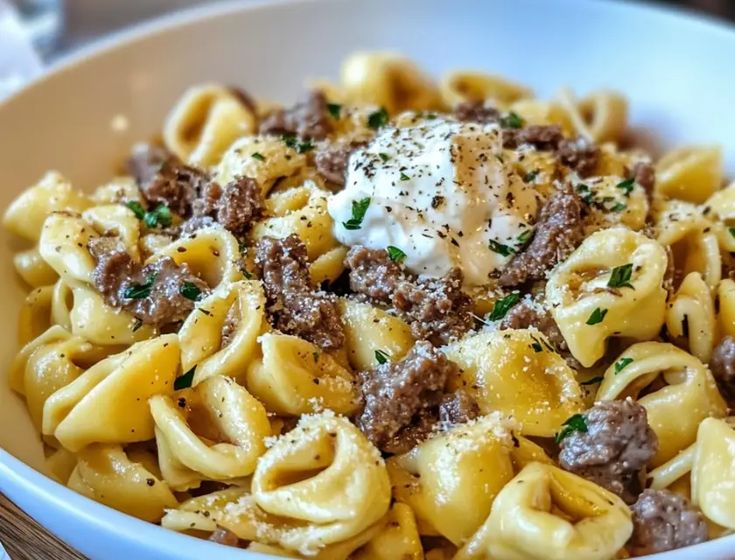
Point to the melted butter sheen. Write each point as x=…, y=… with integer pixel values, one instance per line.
x=439, y=191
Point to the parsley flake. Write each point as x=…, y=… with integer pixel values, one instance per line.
x=404, y=177
x=618, y=207
x=626, y=186
x=139, y=291
x=305, y=146
x=536, y=346
x=621, y=364
x=732, y=231
x=395, y=254
x=503, y=305
x=530, y=177
x=383, y=156
x=359, y=207
x=525, y=236
x=334, y=109
x=576, y=423
x=511, y=120
x=160, y=216
x=381, y=357
x=137, y=324
x=378, y=118
x=184, y=381
x=597, y=316
x=620, y=276
x=501, y=249
x=258, y=156
x=136, y=207
x=289, y=140
x=190, y=291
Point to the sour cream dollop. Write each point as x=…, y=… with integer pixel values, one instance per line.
x=440, y=192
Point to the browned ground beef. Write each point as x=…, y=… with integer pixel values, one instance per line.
x=152, y=293
x=645, y=175
x=294, y=307
x=664, y=521
x=164, y=179
x=331, y=161
x=542, y=137
x=240, y=205
x=722, y=365
x=476, y=111
x=578, y=153
x=373, y=274
x=457, y=408
x=436, y=308
x=615, y=448
x=559, y=231
x=308, y=119
x=395, y=393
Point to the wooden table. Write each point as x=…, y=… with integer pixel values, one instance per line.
x=24, y=539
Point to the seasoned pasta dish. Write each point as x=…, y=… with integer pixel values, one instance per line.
x=398, y=319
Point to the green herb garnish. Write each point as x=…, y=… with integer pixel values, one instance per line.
x=258, y=156
x=140, y=291
x=305, y=146
x=378, y=118
x=732, y=231
x=621, y=364
x=404, y=177
x=385, y=157
x=536, y=346
x=620, y=276
x=530, y=177
x=381, y=357
x=511, y=120
x=597, y=316
x=359, y=207
x=334, y=109
x=184, y=381
x=136, y=207
x=395, y=254
x=503, y=305
x=626, y=186
x=137, y=324
x=576, y=423
x=289, y=140
x=501, y=249
x=160, y=216
x=525, y=236
x=618, y=207
x=190, y=291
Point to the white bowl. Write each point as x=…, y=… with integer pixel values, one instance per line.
x=677, y=70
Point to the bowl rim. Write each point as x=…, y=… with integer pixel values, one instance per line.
x=154, y=538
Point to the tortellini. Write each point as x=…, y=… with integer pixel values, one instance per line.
x=689, y=386
x=217, y=406
x=713, y=471
x=691, y=316
x=692, y=173
x=546, y=513
x=461, y=86
x=517, y=372
x=451, y=480
x=108, y=402
x=601, y=116
x=612, y=285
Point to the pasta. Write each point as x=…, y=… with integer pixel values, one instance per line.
x=401, y=318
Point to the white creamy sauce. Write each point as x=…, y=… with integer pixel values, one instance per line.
x=440, y=192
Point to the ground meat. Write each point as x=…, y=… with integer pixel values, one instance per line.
x=159, y=299
x=578, y=153
x=294, y=307
x=193, y=224
x=373, y=274
x=559, y=231
x=645, y=175
x=722, y=365
x=476, y=111
x=206, y=203
x=308, y=119
x=542, y=137
x=436, y=308
x=396, y=392
x=241, y=203
x=664, y=521
x=457, y=408
x=525, y=314
x=224, y=536
x=423, y=425
x=331, y=161
x=164, y=179
x=615, y=448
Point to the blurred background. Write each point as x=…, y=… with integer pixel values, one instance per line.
x=35, y=33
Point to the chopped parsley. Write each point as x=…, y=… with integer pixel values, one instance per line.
x=385, y=157
x=592, y=381
x=160, y=216
x=139, y=291
x=621, y=364
x=334, y=109
x=732, y=231
x=525, y=236
x=378, y=118
x=500, y=248
x=536, y=346
x=530, y=177
x=190, y=291
x=576, y=423
x=258, y=156
x=503, y=305
x=137, y=209
x=359, y=207
x=301, y=147
x=597, y=316
x=626, y=186
x=184, y=381
x=620, y=276
x=381, y=357
x=511, y=120
x=137, y=324
x=395, y=254
x=404, y=177
x=618, y=207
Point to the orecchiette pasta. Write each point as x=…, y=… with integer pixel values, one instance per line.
x=401, y=318
x=589, y=310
